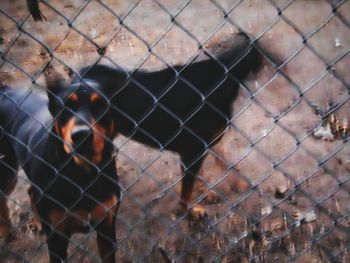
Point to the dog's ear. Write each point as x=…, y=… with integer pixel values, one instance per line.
x=55, y=83
x=54, y=80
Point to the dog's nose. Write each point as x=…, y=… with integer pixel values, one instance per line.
x=81, y=134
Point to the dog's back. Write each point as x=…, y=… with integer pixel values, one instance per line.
x=179, y=106
x=24, y=118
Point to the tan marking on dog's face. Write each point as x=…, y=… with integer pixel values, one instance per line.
x=73, y=97
x=55, y=125
x=100, y=134
x=66, y=133
x=95, y=97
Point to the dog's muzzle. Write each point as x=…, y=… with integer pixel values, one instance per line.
x=82, y=134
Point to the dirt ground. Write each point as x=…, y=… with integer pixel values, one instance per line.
x=283, y=193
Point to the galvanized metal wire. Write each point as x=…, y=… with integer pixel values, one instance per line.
x=254, y=224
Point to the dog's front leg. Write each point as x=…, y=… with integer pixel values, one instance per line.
x=58, y=235
x=57, y=245
x=190, y=173
x=103, y=217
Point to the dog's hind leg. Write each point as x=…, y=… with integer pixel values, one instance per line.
x=8, y=179
x=192, y=164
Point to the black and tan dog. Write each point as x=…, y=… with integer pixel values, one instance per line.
x=64, y=145
x=184, y=109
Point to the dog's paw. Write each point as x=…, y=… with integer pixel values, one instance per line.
x=194, y=213
x=212, y=197
x=197, y=212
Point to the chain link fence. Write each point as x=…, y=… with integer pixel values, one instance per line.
x=276, y=187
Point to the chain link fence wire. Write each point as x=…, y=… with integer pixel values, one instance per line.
x=276, y=187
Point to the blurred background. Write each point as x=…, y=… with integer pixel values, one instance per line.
x=281, y=172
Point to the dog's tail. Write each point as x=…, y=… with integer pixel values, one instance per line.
x=242, y=57
x=34, y=9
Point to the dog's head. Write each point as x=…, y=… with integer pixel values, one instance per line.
x=81, y=118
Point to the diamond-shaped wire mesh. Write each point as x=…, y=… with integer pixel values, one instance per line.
x=275, y=187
